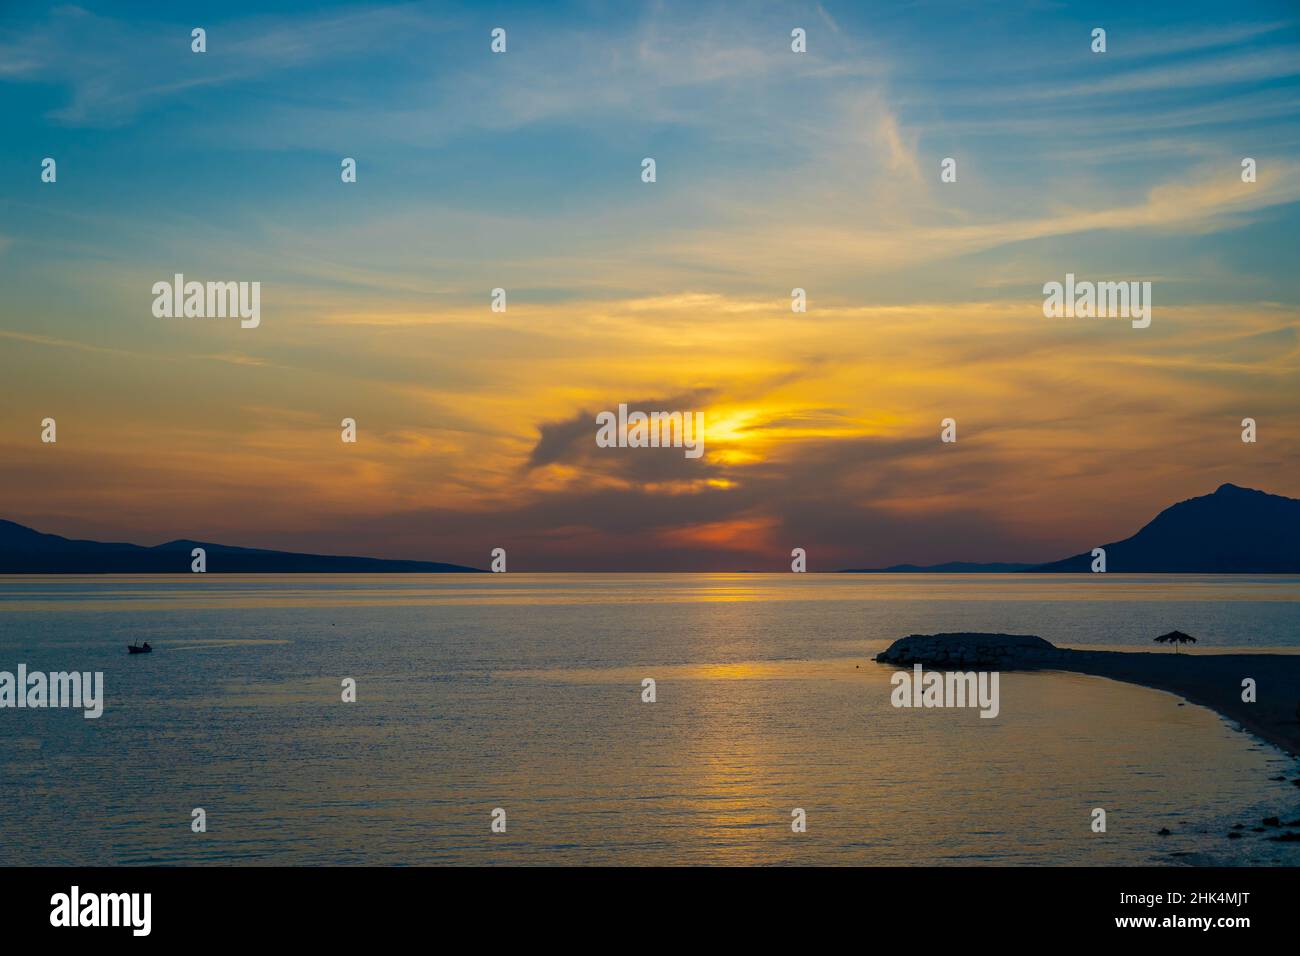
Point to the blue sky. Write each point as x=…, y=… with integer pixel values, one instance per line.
x=550, y=131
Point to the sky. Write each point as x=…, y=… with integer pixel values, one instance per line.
x=522, y=171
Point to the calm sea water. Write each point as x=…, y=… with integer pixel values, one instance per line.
x=524, y=692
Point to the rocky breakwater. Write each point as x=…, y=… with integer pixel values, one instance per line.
x=1002, y=651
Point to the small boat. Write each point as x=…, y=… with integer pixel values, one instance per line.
x=139, y=649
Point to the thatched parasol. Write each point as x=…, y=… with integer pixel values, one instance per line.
x=1175, y=638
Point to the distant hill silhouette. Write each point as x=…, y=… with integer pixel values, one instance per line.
x=1233, y=531
x=25, y=551
x=951, y=567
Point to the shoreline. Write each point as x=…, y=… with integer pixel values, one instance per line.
x=1209, y=680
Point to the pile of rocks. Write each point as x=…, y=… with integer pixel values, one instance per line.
x=973, y=650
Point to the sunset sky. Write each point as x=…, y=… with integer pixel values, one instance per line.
x=775, y=170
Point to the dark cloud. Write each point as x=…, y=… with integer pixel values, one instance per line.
x=835, y=497
x=572, y=441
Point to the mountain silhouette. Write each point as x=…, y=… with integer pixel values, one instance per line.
x=26, y=551
x=1233, y=531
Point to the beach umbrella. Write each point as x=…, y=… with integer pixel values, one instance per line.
x=1175, y=638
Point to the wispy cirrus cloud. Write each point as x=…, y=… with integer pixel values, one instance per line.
x=114, y=68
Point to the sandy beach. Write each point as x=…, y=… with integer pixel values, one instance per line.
x=1212, y=680
x=1217, y=681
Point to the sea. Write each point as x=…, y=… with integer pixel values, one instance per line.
x=506, y=719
